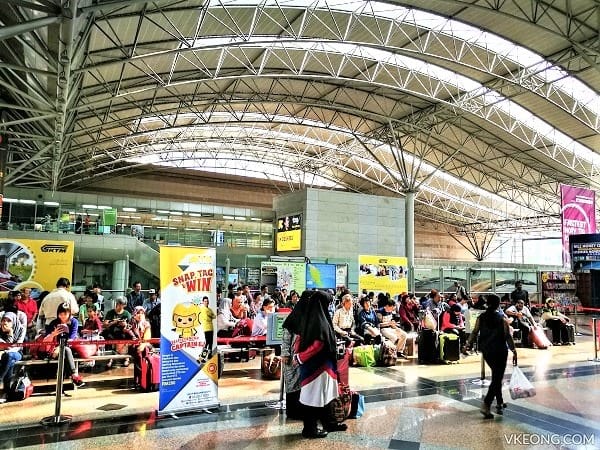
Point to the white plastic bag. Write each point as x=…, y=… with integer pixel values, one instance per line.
x=520, y=386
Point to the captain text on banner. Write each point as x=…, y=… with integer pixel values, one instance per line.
x=189, y=370
x=385, y=274
x=34, y=263
x=578, y=215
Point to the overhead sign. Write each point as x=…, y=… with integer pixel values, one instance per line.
x=289, y=233
x=189, y=364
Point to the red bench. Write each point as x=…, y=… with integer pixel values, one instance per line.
x=245, y=345
x=243, y=341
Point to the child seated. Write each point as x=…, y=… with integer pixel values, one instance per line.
x=93, y=324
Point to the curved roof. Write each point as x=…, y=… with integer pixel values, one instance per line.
x=481, y=108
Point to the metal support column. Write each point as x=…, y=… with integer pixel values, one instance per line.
x=409, y=236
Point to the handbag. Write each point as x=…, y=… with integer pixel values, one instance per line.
x=429, y=321
x=271, y=367
x=520, y=386
x=20, y=388
x=358, y=406
x=339, y=408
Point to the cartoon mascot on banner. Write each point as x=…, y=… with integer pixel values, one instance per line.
x=186, y=319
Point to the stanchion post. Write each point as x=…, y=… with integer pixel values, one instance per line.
x=57, y=419
x=482, y=368
x=595, y=334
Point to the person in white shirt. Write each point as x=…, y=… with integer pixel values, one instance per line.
x=523, y=320
x=58, y=296
x=343, y=320
x=259, y=326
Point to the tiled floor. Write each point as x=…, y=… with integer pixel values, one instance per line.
x=407, y=407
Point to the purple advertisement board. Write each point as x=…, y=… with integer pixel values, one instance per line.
x=577, y=213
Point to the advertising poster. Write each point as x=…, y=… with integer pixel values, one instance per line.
x=289, y=233
x=577, y=214
x=385, y=274
x=189, y=370
x=34, y=263
x=282, y=274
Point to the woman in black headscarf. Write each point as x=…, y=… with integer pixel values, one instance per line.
x=315, y=354
x=291, y=372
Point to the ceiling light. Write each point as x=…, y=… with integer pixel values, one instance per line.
x=194, y=214
x=50, y=203
x=104, y=207
x=228, y=217
x=162, y=211
x=89, y=206
x=10, y=200
x=126, y=209
x=256, y=219
x=27, y=202
x=240, y=218
x=175, y=213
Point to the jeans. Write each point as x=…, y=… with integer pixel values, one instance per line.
x=7, y=364
x=497, y=362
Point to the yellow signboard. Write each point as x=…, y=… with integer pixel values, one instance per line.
x=37, y=264
x=385, y=274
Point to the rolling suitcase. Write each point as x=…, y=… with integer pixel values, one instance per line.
x=411, y=346
x=449, y=347
x=538, y=337
x=148, y=373
x=428, y=346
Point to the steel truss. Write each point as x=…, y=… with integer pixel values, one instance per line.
x=95, y=88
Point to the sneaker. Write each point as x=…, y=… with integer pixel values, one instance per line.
x=77, y=381
x=109, y=364
x=126, y=363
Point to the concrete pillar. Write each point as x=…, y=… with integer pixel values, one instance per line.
x=119, y=282
x=409, y=237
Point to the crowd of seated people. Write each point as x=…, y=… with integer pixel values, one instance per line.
x=369, y=318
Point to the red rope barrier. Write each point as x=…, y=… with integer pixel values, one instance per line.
x=4, y=345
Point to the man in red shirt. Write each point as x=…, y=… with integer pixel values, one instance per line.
x=29, y=307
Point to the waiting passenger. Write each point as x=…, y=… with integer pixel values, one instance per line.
x=225, y=320
x=556, y=321
x=436, y=304
x=409, y=313
x=93, y=324
x=259, y=326
x=116, y=327
x=522, y=320
x=368, y=324
x=453, y=322
x=11, y=332
x=389, y=328
x=238, y=309
x=65, y=326
x=343, y=320
x=11, y=305
x=89, y=298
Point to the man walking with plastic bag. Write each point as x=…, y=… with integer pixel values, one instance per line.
x=494, y=336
